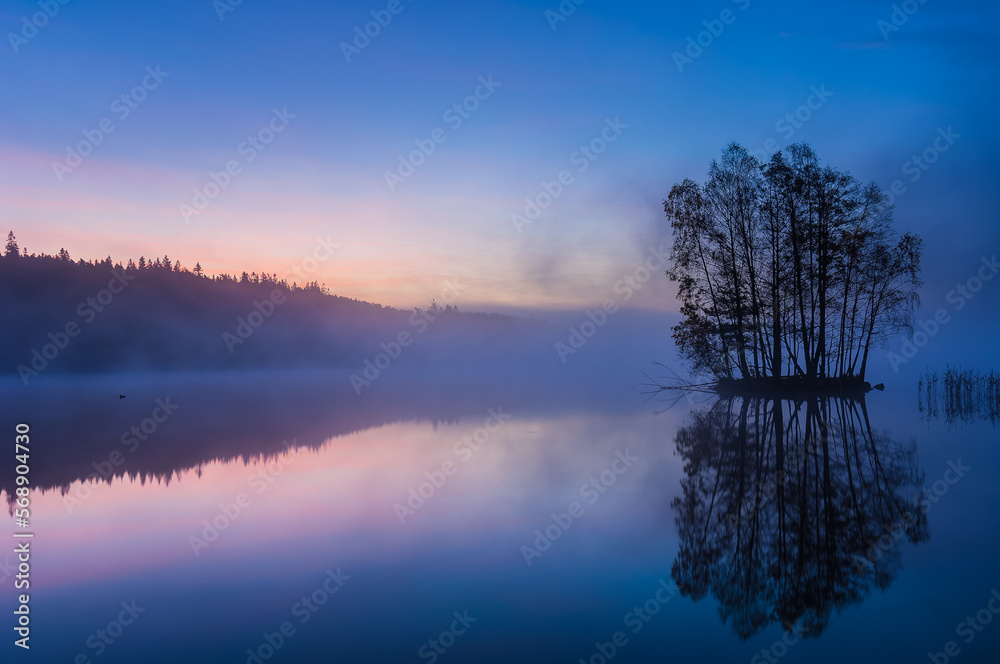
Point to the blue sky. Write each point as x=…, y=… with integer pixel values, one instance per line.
x=324, y=173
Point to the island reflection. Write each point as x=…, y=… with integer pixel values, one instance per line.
x=791, y=509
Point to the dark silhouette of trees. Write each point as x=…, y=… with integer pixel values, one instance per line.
x=11, y=250
x=787, y=268
x=167, y=318
x=791, y=509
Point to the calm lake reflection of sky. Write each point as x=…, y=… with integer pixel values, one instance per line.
x=333, y=507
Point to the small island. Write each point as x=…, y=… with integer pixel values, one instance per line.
x=788, y=273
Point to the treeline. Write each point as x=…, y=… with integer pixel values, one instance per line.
x=788, y=268
x=165, y=264
x=67, y=316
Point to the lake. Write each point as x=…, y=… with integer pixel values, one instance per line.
x=518, y=512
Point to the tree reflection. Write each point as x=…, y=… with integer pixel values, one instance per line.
x=791, y=509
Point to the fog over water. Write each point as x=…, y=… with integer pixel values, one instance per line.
x=517, y=441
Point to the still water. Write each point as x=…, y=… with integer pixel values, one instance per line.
x=279, y=517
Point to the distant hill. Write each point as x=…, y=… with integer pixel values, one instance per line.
x=70, y=317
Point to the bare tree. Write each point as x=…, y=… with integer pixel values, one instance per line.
x=786, y=269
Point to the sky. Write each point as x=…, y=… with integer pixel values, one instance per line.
x=119, y=116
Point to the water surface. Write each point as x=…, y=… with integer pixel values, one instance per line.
x=666, y=523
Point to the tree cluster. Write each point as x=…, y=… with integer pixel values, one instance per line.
x=788, y=268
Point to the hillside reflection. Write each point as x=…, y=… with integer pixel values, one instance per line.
x=791, y=509
x=90, y=434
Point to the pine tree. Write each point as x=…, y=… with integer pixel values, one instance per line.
x=197, y=269
x=11, y=250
